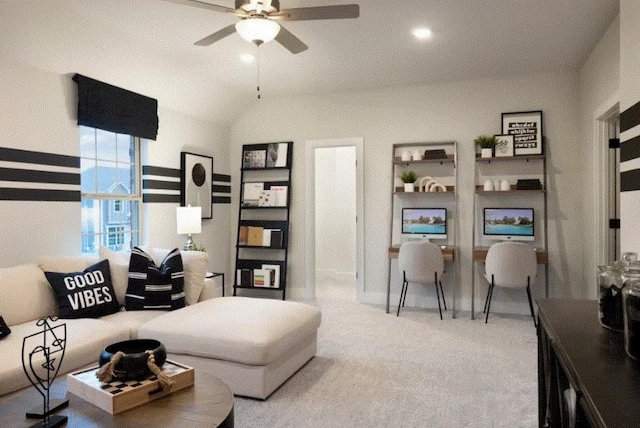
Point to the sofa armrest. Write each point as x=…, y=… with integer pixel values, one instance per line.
x=213, y=284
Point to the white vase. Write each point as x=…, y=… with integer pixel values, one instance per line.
x=408, y=187
x=505, y=185
x=488, y=186
x=405, y=156
x=486, y=153
x=417, y=156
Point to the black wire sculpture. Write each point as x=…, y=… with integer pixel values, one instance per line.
x=42, y=355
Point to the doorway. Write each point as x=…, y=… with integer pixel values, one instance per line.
x=334, y=216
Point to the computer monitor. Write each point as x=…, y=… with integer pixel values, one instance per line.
x=508, y=224
x=424, y=223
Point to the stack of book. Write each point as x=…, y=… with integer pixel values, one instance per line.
x=435, y=154
x=256, y=236
x=529, y=184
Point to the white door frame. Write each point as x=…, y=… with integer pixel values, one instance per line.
x=600, y=149
x=310, y=209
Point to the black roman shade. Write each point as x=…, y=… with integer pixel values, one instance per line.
x=108, y=107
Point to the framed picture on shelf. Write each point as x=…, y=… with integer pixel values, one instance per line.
x=526, y=128
x=254, y=159
x=196, y=181
x=277, y=155
x=504, y=145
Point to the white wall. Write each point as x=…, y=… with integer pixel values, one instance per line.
x=454, y=111
x=629, y=95
x=38, y=113
x=599, y=91
x=335, y=181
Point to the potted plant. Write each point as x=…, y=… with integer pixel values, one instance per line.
x=408, y=178
x=486, y=143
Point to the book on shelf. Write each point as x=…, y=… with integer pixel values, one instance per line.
x=255, y=236
x=274, y=276
x=244, y=277
x=279, y=195
x=251, y=194
x=243, y=235
x=261, y=277
x=266, y=237
x=266, y=199
x=276, y=238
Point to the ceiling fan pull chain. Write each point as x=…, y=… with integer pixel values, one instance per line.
x=258, y=74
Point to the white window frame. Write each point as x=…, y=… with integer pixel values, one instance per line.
x=131, y=197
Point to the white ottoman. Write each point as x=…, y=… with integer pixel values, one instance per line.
x=253, y=345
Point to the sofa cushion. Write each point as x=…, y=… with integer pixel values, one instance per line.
x=25, y=294
x=132, y=320
x=195, y=265
x=85, y=340
x=155, y=287
x=4, y=329
x=85, y=294
x=246, y=330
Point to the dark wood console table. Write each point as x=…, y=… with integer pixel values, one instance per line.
x=574, y=350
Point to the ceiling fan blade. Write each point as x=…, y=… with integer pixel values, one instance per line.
x=321, y=12
x=291, y=42
x=218, y=35
x=208, y=6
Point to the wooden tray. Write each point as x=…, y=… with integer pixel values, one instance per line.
x=116, y=396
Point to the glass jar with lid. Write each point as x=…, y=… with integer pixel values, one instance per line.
x=631, y=309
x=610, y=310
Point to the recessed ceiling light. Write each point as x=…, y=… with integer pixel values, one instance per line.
x=422, y=33
x=248, y=58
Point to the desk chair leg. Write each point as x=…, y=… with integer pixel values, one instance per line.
x=531, y=303
x=489, y=301
x=405, y=290
x=438, y=294
x=402, y=292
x=442, y=292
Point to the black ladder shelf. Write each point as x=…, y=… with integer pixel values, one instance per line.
x=262, y=243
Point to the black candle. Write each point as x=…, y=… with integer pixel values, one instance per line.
x=611, y=313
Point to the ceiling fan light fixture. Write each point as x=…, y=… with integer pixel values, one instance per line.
x=257, y=30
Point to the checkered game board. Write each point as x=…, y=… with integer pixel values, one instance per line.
x=116, y=387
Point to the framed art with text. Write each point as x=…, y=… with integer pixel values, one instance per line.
x=196, y=181
x=526, y=128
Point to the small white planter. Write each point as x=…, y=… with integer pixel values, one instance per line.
x=408, y=187
x=486, y=153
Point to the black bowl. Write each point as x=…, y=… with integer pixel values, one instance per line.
x=133, y=365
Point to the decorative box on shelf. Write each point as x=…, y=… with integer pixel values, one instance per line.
x=117, y=396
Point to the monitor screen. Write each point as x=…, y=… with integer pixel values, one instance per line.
x=428, y=223
x=509, y=224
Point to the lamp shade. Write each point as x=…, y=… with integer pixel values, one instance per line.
x=257, y=30
x=189, y=220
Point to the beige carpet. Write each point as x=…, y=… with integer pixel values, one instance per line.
x=375, y=370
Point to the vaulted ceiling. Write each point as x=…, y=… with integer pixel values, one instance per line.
x=147, y=46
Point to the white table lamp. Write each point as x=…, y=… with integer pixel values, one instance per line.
x=189, y=222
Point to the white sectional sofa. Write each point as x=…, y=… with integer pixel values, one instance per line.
x=254, y=345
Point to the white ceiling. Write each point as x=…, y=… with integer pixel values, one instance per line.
x=147, y=46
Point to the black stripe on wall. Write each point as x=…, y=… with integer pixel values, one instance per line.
x=222, y=177
x=630, y=149
x=630, y=117
x=221, y=200
x=11, y=194
x=34, y=176
x=221, y=189
x=41, y=158
x=161, y=198
x=159, y=184
x=161, y=171
x=630, y=180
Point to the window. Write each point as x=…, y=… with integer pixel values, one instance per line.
x=111, y=191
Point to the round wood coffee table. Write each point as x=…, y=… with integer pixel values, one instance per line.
x=208, y=403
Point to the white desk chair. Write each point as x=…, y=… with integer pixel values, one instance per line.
x=421, y=262
x=510, y=265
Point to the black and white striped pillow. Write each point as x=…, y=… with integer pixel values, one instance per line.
x=155, y=287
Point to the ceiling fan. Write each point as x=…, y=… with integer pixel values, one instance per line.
x=258, y=20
